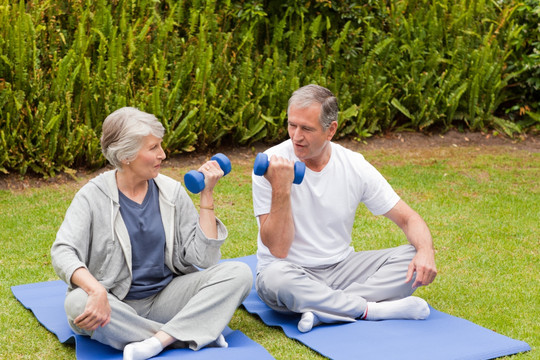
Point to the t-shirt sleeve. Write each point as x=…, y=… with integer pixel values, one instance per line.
x=262, y=195
x=378, y=195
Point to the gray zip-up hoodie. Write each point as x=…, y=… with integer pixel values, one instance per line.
x=93, y=234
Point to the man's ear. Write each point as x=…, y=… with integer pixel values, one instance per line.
x=332, y=130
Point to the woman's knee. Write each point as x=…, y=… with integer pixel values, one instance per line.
x=75, y=303
x=242, y=273
x=238, y=273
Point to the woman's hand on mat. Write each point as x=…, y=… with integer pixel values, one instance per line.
x=96, y=313
x=423, y=264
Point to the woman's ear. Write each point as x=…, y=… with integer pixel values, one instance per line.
x=124, y=163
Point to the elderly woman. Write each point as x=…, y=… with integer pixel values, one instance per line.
x=130, y=245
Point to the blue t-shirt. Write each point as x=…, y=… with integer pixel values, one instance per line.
x=147, y=236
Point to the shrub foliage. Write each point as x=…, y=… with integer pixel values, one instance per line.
x=215, y=71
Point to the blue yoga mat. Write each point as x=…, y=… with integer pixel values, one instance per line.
x=46, y=301
x=440, y=336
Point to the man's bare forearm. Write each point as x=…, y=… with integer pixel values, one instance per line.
x=277, y=227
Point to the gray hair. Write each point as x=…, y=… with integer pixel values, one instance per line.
x=123, y=131
x=309, y=94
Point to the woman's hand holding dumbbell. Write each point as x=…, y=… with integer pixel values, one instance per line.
x=207, y=176
x=212, y=173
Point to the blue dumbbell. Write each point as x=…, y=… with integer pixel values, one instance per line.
x=261, y=165
x=194, y=180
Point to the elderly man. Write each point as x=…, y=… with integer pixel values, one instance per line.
x=306, y=263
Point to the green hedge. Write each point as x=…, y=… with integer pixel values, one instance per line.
x=222, y=71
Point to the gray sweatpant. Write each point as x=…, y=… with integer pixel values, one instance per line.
x=194, y=308
x=339, y=292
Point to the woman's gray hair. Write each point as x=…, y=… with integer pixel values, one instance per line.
x=123, y=131
x=309, y=94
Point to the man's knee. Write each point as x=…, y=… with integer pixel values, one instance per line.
x=277, y=275
x=406, y=252
x=276, y=282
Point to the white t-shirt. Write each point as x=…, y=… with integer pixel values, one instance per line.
x=324, y=205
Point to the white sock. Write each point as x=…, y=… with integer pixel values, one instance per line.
x=412, y=308
x=219, y=342
x=308, y=321
x=143, y=350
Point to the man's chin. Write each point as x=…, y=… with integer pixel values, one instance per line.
x=300, y=152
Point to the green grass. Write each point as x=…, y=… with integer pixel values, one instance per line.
x=482, y=206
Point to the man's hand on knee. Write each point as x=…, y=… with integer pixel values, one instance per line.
x=423, y=264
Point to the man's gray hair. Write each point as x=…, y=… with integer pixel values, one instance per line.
x=309, y=94
x=123, y=131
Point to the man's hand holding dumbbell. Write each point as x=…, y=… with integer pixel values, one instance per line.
x=279, y=171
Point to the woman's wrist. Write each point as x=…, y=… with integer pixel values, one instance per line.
x=206, y=201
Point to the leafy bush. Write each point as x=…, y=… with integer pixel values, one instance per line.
x=523, y=93
x=217, y=72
